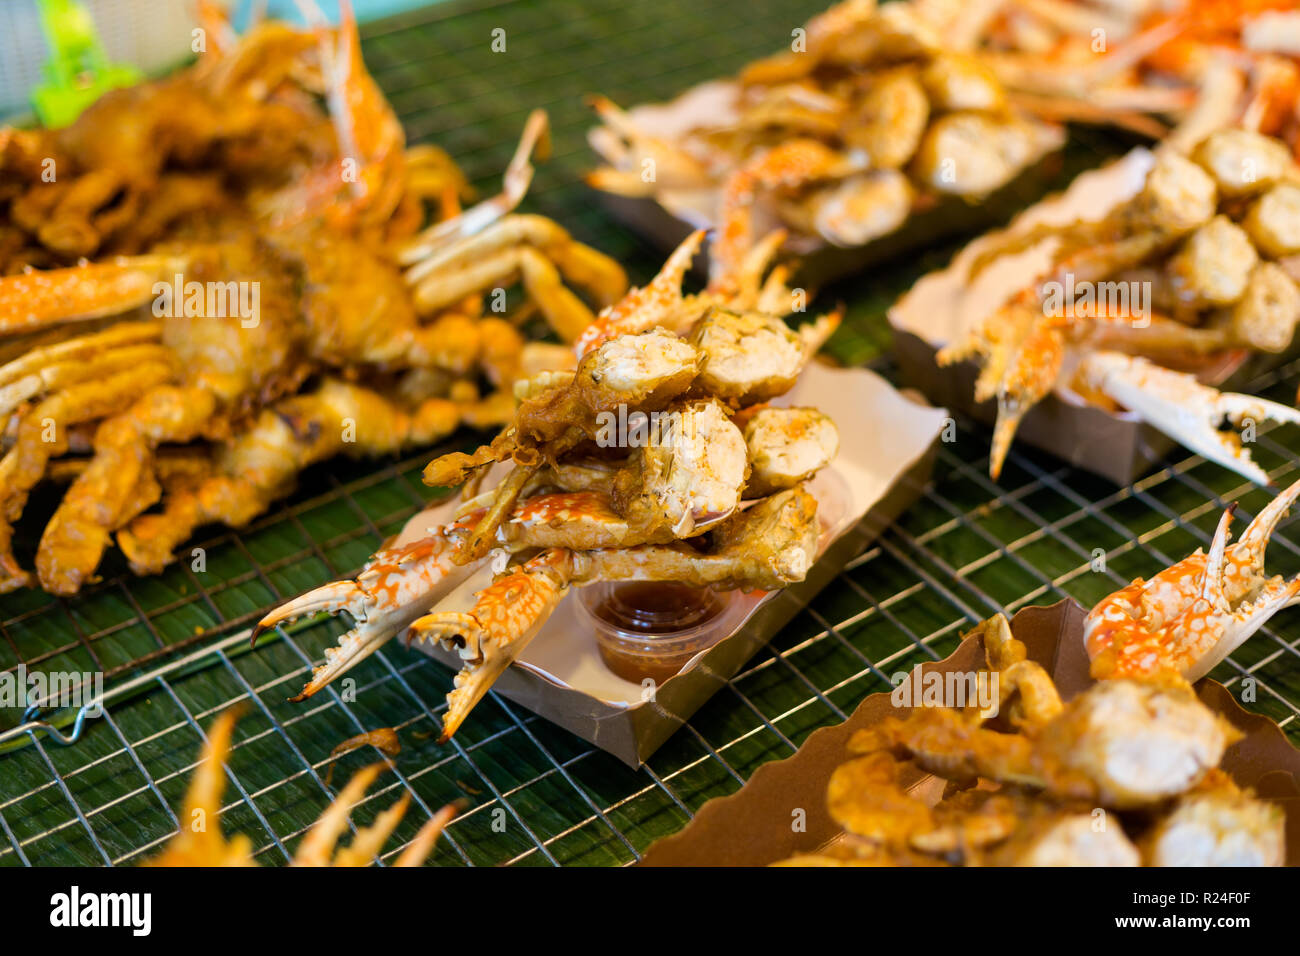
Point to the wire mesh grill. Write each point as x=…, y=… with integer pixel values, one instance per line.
x=537, y=794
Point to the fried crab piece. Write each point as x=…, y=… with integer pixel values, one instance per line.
x=787, y=446
x=1244, y=162
x=783, y=168
x=1266, y=315
x=1273, y=221
x=1213, y=264
x=865, y=798
x=689, y=478
x=1066, y=839
x=1121, y=743
x=659, y=303
x=747, y=356
x=1192, y=615
x=855, y=210
x=685, y=478
x=558, y=410
x=1218, y=827
x=1178, y=405
x=396, y=586
x=972, y=154
x=199, y=842
x=1131, y=744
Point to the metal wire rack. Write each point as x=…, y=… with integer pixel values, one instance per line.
x=173, y=647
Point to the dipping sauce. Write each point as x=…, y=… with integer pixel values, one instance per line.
x=651, y=629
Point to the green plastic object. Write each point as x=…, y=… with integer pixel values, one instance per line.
x=77, y=71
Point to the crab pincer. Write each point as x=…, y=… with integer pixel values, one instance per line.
x=507, y=614
x=1189, y=617
x=396, y=586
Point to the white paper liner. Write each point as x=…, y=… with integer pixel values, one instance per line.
x=882, y=434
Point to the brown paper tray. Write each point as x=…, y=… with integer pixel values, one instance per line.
x=752, y=827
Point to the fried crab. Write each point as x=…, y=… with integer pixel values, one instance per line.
x=842, y=139
x=713, y=495
x=1213, y=240
x=1124, y=774
x=254, y=231
x=1190, y=616
x=1200, y=64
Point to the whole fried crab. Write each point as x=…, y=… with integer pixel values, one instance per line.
x=231, y=262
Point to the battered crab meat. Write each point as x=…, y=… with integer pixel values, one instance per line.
x=859, y=209
x=1069, y=840
x=626, y=363
x=1273, y=221
x=748, y=356
x=1178, y=196
x=690, y=474
x=1214, y=264
x=890, y=121
x=957, y=82
x=1219, y=828
x=1267, y=314
x=1134, y=743
x=786, y=446
x=972, y=154
x=1243, y=163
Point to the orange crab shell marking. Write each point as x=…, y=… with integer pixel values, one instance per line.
x=391, y=581
x=564, y=507
x=509, y=606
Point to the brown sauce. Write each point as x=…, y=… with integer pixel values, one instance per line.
x=652, y=616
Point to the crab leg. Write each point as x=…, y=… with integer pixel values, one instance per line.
x=1183, y=408
x=33, y=300
x=518, y=177
x=643, y=308
x=506, y=616
x=395, y=587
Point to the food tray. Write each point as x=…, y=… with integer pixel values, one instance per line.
x=1117, y=446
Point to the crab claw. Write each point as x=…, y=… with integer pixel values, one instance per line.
x=506, y=615
x=395, y=587
x=535, y=140
x=1022, y=351
x=1184, y=409
x=1191, y=616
